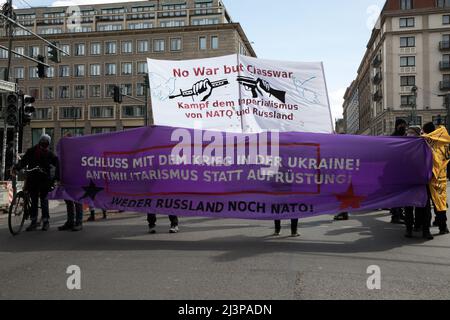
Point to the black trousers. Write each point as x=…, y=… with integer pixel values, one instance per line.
x=418, y=217
x=294, y=225
x=151, y=218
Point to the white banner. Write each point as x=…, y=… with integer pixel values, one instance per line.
x=240, y=94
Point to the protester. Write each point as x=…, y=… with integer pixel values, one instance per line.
x=397, y=215
x=151, y=219
x=415, y=217
x=74, y=217
x=39, y=182
x=439, y=181
x=294, y=226
x=92, y=214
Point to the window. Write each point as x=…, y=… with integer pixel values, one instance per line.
x=74, y=132
x=205, y=21
x=100, y=130
x=127, y=68
x=95, y=91
x=80, y=49
x=95, y=70
x=32, y=73
x=407, y=61
x=20, y=50
x=49, y=93
x=19, y=72
x=407, y=81
x=407, y=22
x=34, y=92
x=2, y=72
x=140, y=25
x=80, y=70
x=443, y=3
x=96, y=49
x=43, y=114
x=446, y=19
x=159, y=45
x=64, y=92
x=111, y=47
x=34, y=51
x=202, y=43
x=142, y=46
x=214, y=42
x=109, y=27
x=132, y=111
x=65, y=48
x=127, y=47
x=101, y=112
x=109, y=90
x=142, y=68
x=175, y=44
x=172, y=23
x=70, y=113
x=126, y=89
x=79, y=92
x=140, y=89
x=407, y=42
x=110, y=69
x=406, y=4
x=205, y=5
x=64, y=71
x=173, y=10
x=51, y=72
x=407, y=101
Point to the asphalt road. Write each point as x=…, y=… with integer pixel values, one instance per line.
x=224, y=259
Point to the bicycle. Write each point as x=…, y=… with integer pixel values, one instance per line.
x=20, y=208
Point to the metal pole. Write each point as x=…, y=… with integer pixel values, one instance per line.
x=146, y=105
x=10, y=32
x=32, y=33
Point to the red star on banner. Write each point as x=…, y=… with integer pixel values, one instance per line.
x=349, y=199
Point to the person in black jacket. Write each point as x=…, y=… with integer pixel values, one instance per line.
x=39, y=182
x=397, y=215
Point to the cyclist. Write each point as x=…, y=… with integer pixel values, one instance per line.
x=39, y=181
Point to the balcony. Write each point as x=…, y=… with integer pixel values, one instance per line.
x=377, y=79
x=444, y=45
x=444, y=85
x=377, y=61
x=377, y=96
x=444, y=65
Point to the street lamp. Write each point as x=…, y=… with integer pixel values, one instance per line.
x=413, y=106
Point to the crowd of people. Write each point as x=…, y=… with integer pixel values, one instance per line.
x=39, y=183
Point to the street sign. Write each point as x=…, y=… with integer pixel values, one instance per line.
x=8, y=86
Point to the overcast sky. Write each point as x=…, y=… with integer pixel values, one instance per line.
x=335, y=32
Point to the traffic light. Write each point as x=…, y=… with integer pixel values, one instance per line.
x=41, y=67
x=12, y=109
x=54, y=53
x=117, y=95
x=27, y=110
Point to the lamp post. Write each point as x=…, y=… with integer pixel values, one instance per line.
x=413, y=106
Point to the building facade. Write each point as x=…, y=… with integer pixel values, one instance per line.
x=406, y=68
x=351, y=109
x=108, y=46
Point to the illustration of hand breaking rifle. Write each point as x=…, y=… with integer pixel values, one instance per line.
x=203, y=88
x=259, y=85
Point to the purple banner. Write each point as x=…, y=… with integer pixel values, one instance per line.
x=262, y=176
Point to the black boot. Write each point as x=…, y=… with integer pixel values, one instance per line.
x=427, y=235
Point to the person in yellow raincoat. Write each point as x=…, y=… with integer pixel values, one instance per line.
x=439, y=142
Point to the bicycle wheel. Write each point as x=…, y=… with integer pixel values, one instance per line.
x=17, y=213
